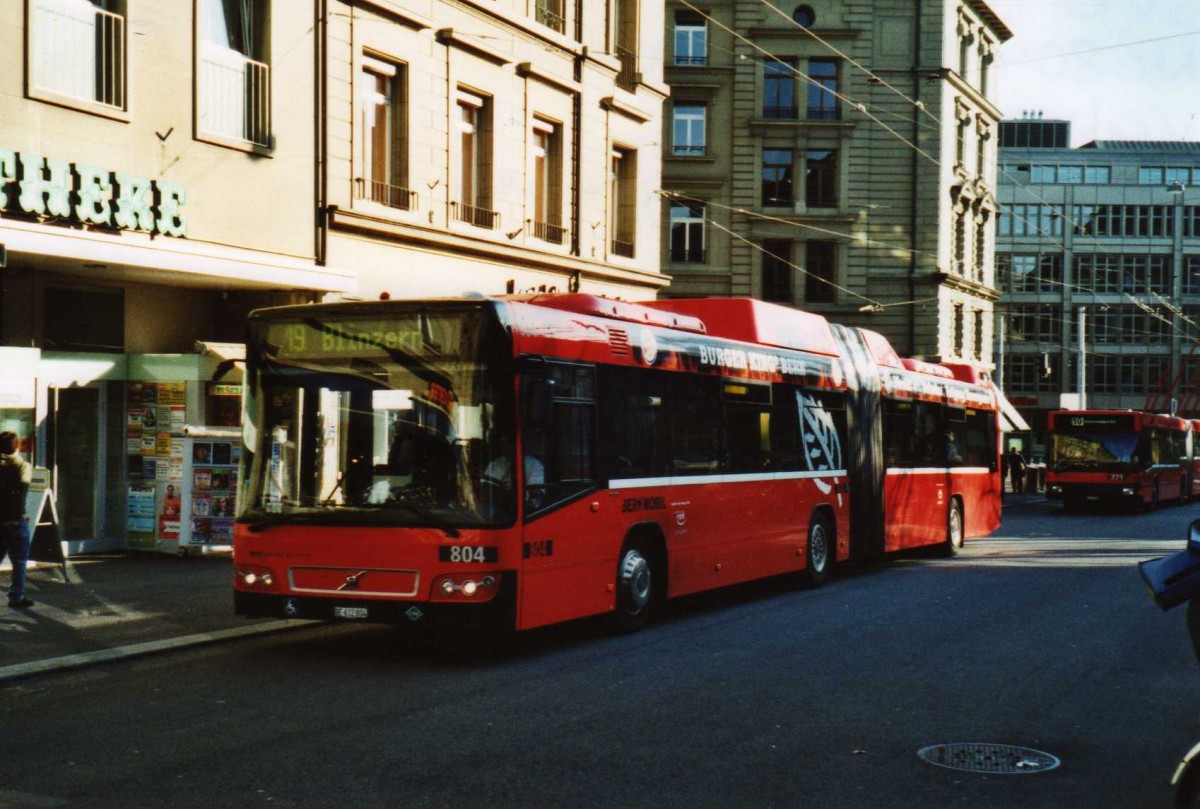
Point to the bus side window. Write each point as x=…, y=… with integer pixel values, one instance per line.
x=981, y=439
x=696, y=426
x=564, y=444
x=633, y=422
x=899, y=432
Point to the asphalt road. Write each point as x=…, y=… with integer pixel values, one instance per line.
x=760, y=696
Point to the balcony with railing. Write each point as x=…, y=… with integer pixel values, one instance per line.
x=78, y=51
x=546, y=232
x=550, y=14
x=627, y=76
x=234, y=97
x=622, y=248
x=393, y=196
x=473, y=215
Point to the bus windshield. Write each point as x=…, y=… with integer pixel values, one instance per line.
x=392, y=417
x=1093, y=450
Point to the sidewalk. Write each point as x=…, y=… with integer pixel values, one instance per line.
x=120, y=605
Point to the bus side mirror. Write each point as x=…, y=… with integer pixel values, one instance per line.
x=1193, y=537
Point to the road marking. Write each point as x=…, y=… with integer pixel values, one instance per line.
x=138, y=649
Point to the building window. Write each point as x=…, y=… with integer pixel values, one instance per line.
x=985, y=67
x=1031, y=220
x=1191, y=275
x=1178, y=174
x=1070, y=175
x=1151, y=175
x=472, y=158
x=625, y=44
x=820, y=265
x=1032, y=373
x=1123, y=220
x=550, y=14
x=84, y=319
x=547, y=180
x=688, y=123
x=1035, y=324
x=623, y=201
x=821, y=178
x=980, y=252
x=384, y=136
x=777, y=177
x=1023, y=272
x=779, y=89
x=804, y=16
x=687, y=232
x=233, y=94
x=960, y=143
x=822, y=90
x=77, y=51
x=1130, y=325
x=958, y=329
x=1097, y=175
x=777, y=271
x=691, y=39
x=959, y=263
x=977, y=318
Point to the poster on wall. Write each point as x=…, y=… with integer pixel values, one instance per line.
x=139, y=516
x=169, y=516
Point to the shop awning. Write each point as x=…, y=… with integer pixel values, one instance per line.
x=1011, y=421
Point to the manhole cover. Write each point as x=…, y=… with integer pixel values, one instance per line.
x=1004, y=759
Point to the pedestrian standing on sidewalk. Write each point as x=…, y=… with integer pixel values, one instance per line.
x=15, y=476
x=1016, y=468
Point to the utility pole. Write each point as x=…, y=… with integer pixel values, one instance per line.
x=1081, y=362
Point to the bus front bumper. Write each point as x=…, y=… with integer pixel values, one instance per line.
x=498, y=612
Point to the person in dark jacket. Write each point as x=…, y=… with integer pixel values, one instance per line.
x=15, y=535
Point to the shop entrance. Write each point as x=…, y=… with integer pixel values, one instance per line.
x=73, y=444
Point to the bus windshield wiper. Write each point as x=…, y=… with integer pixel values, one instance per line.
x=428, y=516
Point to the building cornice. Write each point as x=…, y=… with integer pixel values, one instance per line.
x=793, y=32
x=392, y=9
x=529, y=70
x=347, y=220
x=973, y=95
x=448, y=36
x=957, y=282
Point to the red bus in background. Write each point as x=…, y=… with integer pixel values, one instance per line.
x=529, y=460
x=1120, y=456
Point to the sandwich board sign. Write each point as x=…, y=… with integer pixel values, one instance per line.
x=40, y=508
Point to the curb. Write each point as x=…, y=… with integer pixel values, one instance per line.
x=55, y=664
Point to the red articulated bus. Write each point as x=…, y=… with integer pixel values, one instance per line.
x=530, y=460
x=1119, y=456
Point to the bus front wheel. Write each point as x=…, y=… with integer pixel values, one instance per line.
x=954, y=529
x=635, y=588
x=818, y=553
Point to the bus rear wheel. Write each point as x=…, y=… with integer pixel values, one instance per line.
x=819, y=551
x=636, y=589
x=954, y=530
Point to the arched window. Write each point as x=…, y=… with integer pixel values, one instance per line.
x=804, y=16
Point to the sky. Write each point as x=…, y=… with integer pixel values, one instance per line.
x=1126, y=88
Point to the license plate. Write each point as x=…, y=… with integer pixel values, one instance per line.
x=349, y=612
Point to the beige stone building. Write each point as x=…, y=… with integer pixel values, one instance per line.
x=840, y=157
x=167, y=166
x=156, y=182
x=493, y=145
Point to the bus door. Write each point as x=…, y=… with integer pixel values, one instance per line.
x=567, y=558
